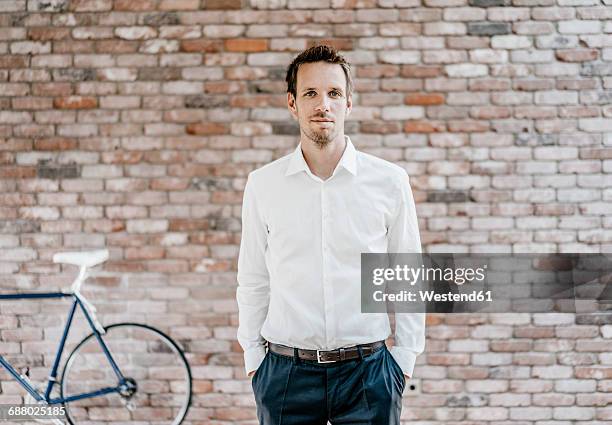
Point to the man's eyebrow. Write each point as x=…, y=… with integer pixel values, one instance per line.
x=313, y=88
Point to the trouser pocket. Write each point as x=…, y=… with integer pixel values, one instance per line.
x=396, y=370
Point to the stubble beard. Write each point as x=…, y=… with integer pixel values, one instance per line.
x=320, y=139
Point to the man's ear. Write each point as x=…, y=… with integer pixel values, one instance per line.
x=291, y=105
x=349, y=104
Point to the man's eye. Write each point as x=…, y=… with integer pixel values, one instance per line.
x=335, y=93
x=310, y=93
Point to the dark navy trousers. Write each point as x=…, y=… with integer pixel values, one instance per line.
x=291, y=391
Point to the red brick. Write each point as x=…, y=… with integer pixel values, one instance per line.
x=124, y=266
x=178, y=5
x=212, y=238
x=255, y=101
x=225, y=87
x=380, y=127
x=178, y=225
x=235, y=413
x=207, y=128
x=468, y=372
x=491, y=112
x=75, y=102
x=226, y=197
x=378, y=71
x=341, y=44
x=424, y=99
x=73, y=46
x=576, y=83
x=8, y=61
x=595, y=372
x=577, y=55
x=223, y=4
x=55, y=144
x=201, y=45
x=246, y=44
x=16, y=199
x=7, y=158
x=448, y=359
x=103, y=226
x=135, y=6
x=420, y=71
x=122, y=157
x=45, y=34
x=511, y=345
x=423, y=127
x=31, y=103
x=144, y=253
x=209, y=265
x=167, y=266
x=17, y=172
x=534, y=332
x=187, y=251
x=554, y=209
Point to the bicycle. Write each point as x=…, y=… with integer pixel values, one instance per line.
x=149, y=375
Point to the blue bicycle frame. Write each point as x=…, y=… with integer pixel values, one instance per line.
x=53, y=376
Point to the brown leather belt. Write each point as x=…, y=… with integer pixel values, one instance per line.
x=332, y=356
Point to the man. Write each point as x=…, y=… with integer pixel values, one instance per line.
x=306, y=218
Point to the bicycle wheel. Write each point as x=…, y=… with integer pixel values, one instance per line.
x=158, y=378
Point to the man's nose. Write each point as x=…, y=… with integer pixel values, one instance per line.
x=323, y=104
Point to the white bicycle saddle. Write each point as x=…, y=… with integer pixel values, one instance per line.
x=83, y=259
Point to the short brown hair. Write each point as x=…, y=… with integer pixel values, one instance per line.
x=320, y=53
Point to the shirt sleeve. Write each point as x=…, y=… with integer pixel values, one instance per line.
x=404, y=238
x=253, y=292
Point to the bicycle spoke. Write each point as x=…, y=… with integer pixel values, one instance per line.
x=157, y=389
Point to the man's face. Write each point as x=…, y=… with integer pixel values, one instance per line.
x=321, y=104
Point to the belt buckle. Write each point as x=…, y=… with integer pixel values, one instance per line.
x=323, y=361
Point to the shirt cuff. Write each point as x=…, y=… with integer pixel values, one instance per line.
x=405, y=358
x=253, y=358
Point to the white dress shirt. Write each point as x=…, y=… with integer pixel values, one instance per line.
x=299, y=267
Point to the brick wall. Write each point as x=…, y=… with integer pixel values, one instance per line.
x=133, y=124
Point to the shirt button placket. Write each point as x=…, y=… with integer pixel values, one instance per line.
x=327, y=289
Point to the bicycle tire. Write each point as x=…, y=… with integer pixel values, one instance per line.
x=176, y=348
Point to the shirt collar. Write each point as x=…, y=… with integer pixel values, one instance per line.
x=348, y=160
